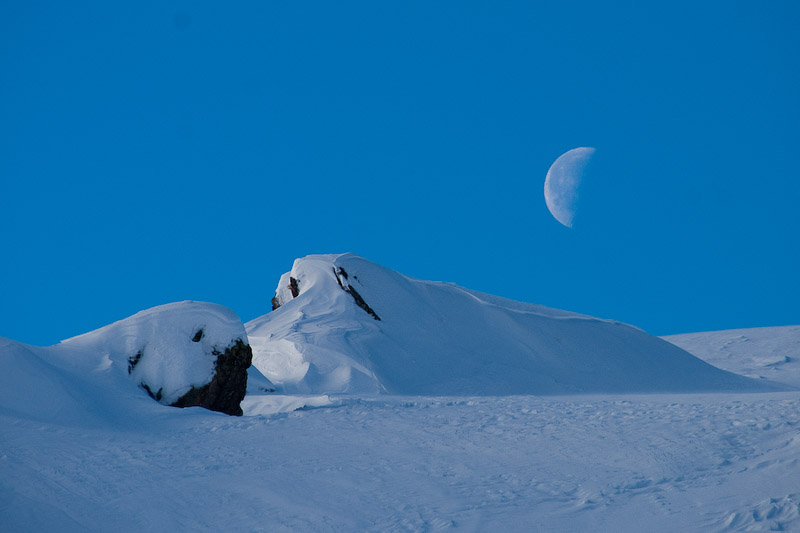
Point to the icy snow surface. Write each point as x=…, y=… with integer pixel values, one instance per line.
x=436, y=338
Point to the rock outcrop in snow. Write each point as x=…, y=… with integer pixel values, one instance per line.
x=344, y=324
x=227, y=388
x=182, y=354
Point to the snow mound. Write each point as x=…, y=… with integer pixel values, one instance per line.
x=765, y=353
x=170, y=348
x=342, y=324
x=164, y=352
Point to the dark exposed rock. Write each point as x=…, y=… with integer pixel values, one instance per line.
x=198, y=335
x=154, y=395
x=342, y=278
x=227, y=388
x=134, y=360
x=294, y=288
x=361, y=303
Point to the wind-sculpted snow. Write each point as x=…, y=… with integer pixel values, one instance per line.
x=762, y=353
x=163, y=352
x=343, y=324
x=655, y=463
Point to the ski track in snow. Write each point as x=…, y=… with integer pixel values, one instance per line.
x=716, y=462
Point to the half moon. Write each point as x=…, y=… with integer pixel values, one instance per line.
x=562, y=182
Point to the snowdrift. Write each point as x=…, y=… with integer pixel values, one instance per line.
x=764, y=353
x=342, y=324
x=164, y=352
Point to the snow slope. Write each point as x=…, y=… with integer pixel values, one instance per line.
x=346, y=325
x=763, y=353
x=100, y=372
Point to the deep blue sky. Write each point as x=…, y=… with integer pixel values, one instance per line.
x=161, y=151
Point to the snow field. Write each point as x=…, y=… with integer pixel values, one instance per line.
x=520, y=463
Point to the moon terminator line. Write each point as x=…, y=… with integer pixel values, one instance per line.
x=562, y=183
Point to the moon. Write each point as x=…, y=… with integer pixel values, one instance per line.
x=562, y=182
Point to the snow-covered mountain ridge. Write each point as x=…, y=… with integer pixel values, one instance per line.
x=342, y=324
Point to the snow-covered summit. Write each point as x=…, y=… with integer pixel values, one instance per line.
x=344, y=324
